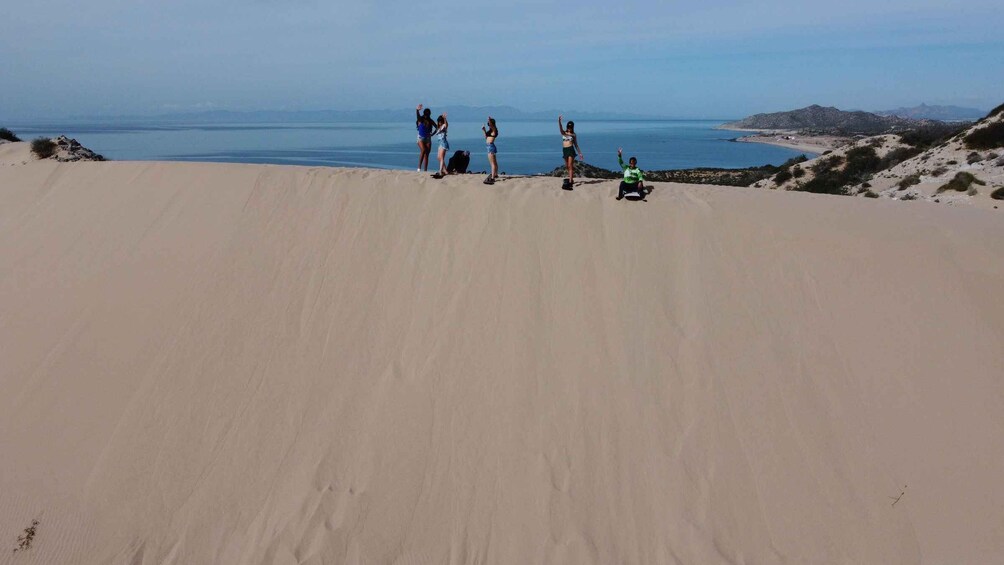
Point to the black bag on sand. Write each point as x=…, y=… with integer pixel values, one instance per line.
x=459, y=162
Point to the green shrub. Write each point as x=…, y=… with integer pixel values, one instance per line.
x=827, y=164
x=996, y=111
x=973, y=157
x=870, y=194
x=960, y=183
x=952, y=162
x=932, y=134
x=897, y=156
x=987, y=137
x=826, y=182
x=908, y=181
x=861, y=163
x=7, y=135
x=794, y=161
x=908, y=196
x=782, y=176
x=939, y=171
x=43, y=147
x=797, y=172
x=998, y=194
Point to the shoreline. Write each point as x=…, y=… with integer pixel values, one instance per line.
x=790, y=139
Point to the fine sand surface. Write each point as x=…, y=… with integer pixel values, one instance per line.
x=207, y=363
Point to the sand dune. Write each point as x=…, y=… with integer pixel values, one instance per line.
x=208, y=363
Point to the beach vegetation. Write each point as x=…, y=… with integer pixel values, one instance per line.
x=827, y=164
x=897, y=156
x=782, y=176
x=836, y=174
x=43, y=147
x=952, y=162
x=987, y=137
x=908, y=181
x=25, y=540
x=929, y=135
x=7, y=135
x=995, y=111
x=973, y=157
x=797, y=172
x=862, y=163
x=870, y=194
x=908, y=196
x=939, y=171
x=960, y=183
x=998, y=194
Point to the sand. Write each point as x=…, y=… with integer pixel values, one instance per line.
x=813, y=144
x=210, y=363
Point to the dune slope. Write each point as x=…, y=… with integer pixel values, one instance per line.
x=209, y=363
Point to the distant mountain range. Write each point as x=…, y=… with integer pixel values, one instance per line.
x=456, y=113
x=817, y=118
x=940, y=113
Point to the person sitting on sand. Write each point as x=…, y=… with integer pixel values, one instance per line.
x=634, y=179
x=444, y=145
x=425, y=127
x=491, y=132
x=570, y=146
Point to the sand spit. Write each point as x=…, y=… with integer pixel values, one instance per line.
x=208, y=363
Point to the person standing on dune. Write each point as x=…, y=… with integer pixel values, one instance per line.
x=444, y=145
x=491, y=132
x=570, y=146
x=425, y=127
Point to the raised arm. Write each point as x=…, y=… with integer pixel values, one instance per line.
x=620, y=158
x=418, y=113
x=561, y=128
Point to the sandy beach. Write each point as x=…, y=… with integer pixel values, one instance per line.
x=794, y=140
x=222, y=363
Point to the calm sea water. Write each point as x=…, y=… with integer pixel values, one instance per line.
x=525, y=147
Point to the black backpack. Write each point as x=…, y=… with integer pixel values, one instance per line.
x=459, y=162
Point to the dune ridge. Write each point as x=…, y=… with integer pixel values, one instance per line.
x=210, y=363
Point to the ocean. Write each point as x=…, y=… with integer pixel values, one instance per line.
x=525, y=147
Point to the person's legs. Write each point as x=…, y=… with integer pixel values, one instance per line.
x=428, y=151
x=421, y=153
x=493, y=160
x=570, y=165
x=626, y=188
x=442, y=160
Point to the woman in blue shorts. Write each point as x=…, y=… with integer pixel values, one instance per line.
x=444, y=145
x=491, y=133
x=425, y=127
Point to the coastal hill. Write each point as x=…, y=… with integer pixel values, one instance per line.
x=960, y=165
x=260, y=364
x=821, y=119
x=941, y=113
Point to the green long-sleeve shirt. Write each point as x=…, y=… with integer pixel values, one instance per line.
x=632, y=175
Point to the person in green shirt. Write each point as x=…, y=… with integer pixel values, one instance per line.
x=634, y=179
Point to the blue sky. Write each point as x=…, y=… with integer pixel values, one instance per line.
x=711, y=59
